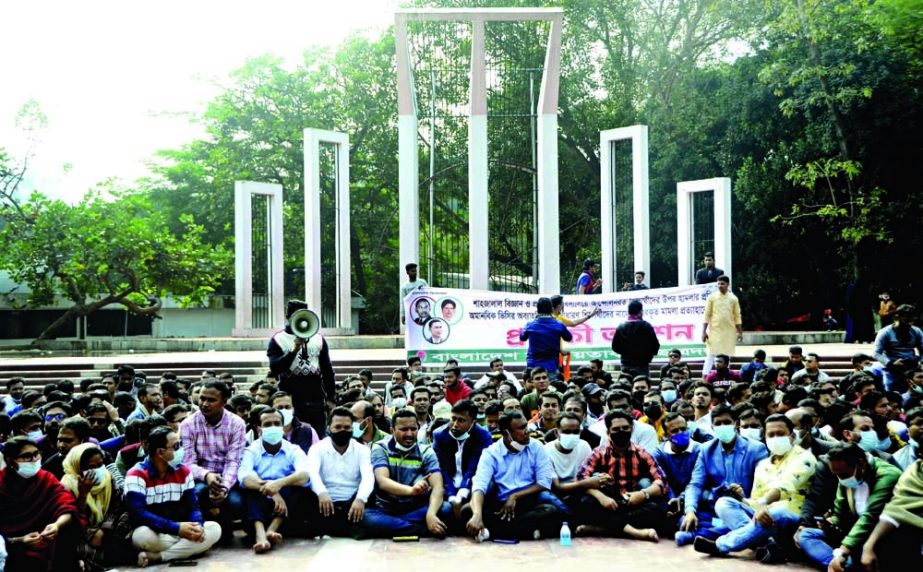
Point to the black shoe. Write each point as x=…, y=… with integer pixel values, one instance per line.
x=706, y=546
x=772, y=553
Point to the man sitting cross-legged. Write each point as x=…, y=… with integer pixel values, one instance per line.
x=341, y=476
x=510, y=487
x=631, y=503
x=273, y=473
x=779, y=487
x=161, y=495
x=409, y=497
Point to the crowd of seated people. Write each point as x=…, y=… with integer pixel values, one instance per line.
x=121, y=471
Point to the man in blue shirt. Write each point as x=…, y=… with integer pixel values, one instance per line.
x=544, y=335
x=511, y=495
x=458, y=446
x=899, y=346
x=408, y=483
x=677, y=456
x=273, y=473
x=725, y=467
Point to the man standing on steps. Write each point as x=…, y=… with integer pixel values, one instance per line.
x=723, y=327
x=413, y=283
x=304, y=371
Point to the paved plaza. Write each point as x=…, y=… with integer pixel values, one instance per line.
x=586, y=555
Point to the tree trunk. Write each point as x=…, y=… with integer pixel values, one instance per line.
x=71, y=313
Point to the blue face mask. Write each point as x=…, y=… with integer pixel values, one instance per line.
x=725, y=433
x=680, y=440
x=358, y=430
x=852, y=482
x=177, y=459
x=868, y=441
x=669, y=395
x=273, y=435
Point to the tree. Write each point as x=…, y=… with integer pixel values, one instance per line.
x=113, y=247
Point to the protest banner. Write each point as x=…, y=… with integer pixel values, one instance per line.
x=475, y=326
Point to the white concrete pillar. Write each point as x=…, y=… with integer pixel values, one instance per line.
x=408, y=155
x=640, y=203
x=312, y=224
x=721, y=186
x=549, y=250
x=478, y=196
x=243, y=255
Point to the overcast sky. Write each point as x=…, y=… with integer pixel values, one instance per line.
x=119, y=80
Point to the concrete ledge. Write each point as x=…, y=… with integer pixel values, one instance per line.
x=791, y=338
x=171, y=345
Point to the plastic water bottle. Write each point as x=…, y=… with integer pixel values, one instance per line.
x=565, y=535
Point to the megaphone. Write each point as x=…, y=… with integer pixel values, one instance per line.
x=305, y=323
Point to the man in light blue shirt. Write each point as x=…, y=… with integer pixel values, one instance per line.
x=913, y=450
x=511, y=487
x=273, y=473
x=725, y=467
x=899, y=346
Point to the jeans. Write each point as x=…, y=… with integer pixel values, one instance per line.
x=382, y=524
x=231, y=509
x=547, y=497
x=745, y=532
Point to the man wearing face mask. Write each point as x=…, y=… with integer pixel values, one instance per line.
x=804, y=428
x=865, y=486
x=632, y=503
x=341, y=476
x=364, y=429
x=668, y=393
x=642, y=434
x=653, y=413
x=573, y=404
x=511, y=489
x=409, y=499
x=458, y=447
x=914, y=386
x=567, y=453
x=780, y=484
x=913, y=451
x=160, y=493
x=273, y=473
x=725, y=467
x=677, y=457
x=295, y=431
x=858, y=427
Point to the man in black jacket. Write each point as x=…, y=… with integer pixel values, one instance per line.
x=635, y=341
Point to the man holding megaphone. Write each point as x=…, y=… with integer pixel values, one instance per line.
x=300, y=360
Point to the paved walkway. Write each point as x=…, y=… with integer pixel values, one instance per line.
x=591, y=554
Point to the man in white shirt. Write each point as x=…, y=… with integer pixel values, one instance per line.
x=567, y=453
x=496, y=366
x=341, y=476
x=412, y=284
x=642, y=434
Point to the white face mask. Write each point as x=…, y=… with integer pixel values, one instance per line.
x=400, y=447
x=100, y=474
x=29, y=470
x=779, y=445
x=399, y=403
x=517, y=446
x=568, y=441
x=287, y=416
x=754, y=433
x=34, y=435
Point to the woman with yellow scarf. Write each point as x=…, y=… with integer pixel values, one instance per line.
x=105, y=542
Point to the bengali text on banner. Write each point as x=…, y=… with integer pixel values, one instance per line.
x=474, y=326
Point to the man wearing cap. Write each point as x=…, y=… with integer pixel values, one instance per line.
x=635, y=341
x=587, y=283
x=303, y=369
x=544, y=335
x=899, y=346
x=413, y=283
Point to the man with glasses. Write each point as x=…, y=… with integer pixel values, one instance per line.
x=811, y=372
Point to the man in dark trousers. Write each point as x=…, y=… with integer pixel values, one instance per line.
x=303, y=369
x=635, y=341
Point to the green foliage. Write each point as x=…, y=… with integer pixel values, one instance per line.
x=812, y=107
x=110, y=248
